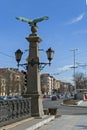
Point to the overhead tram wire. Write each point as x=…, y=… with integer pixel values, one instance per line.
x=10, y=55
x=6, y=54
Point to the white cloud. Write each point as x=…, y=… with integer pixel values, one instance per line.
x=65, y=68
x=86, y=2
x=62, y=69
x=67, y=79
x=77, y=19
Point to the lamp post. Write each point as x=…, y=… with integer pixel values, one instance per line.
x=34, y=66
x=18, y=55
x=41, y=65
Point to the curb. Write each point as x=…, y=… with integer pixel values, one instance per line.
x=45, y=121
x=79, y=102
x=12, y=125
x=77, y=105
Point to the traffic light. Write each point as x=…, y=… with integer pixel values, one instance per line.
x=25, y=78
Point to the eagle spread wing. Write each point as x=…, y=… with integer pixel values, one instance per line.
x=32, y=22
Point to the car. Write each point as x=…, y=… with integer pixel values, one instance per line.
x=1, y=98
x=49, y=96
x=18, y=97
x=54, y=97
x=7, y=97
x=60, y=95
x=44, y=96
x=11, y=97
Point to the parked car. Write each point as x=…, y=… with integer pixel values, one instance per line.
x=1, y=98
x=7, y=97
x=61, y=95
x=10, y=97
x=54, y=97
x=67, y=95
x=49, y=96
x=18, y=97
x=44, y=96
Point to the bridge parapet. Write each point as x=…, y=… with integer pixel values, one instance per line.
x=14, y=110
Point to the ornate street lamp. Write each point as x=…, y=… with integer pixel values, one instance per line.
x=18, y=56
x=50, y=54
x=32, y=62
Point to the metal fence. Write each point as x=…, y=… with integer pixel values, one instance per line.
x=14, y=110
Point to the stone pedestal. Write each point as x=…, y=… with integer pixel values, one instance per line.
x=33, y=83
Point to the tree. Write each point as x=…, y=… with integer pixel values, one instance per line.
x=80, y=80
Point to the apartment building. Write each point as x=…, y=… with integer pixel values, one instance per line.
x=11, y=81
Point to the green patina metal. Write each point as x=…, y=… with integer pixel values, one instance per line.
x=32, y=22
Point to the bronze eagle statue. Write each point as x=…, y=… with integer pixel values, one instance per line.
x=32, y=22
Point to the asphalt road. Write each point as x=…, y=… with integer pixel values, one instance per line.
x=72, y=110
x=63, y=109
x=48, y=103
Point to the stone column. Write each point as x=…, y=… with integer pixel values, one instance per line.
x=33, y=83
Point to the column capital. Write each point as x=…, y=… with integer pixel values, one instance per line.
x=33, y=38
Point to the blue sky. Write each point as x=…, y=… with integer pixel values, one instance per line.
x=65, y=31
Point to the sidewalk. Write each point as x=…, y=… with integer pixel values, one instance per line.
x=82, y=103
x=29, y=124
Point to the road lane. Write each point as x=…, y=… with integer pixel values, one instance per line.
x=72, y=110
x=64, y=109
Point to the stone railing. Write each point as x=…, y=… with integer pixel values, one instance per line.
x=14, y=110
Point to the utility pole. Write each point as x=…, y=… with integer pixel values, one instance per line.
x=74, y=66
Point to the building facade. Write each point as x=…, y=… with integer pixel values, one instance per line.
x=11, y=81
x=50, y=85
x=14, y=82
x=46, y=83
